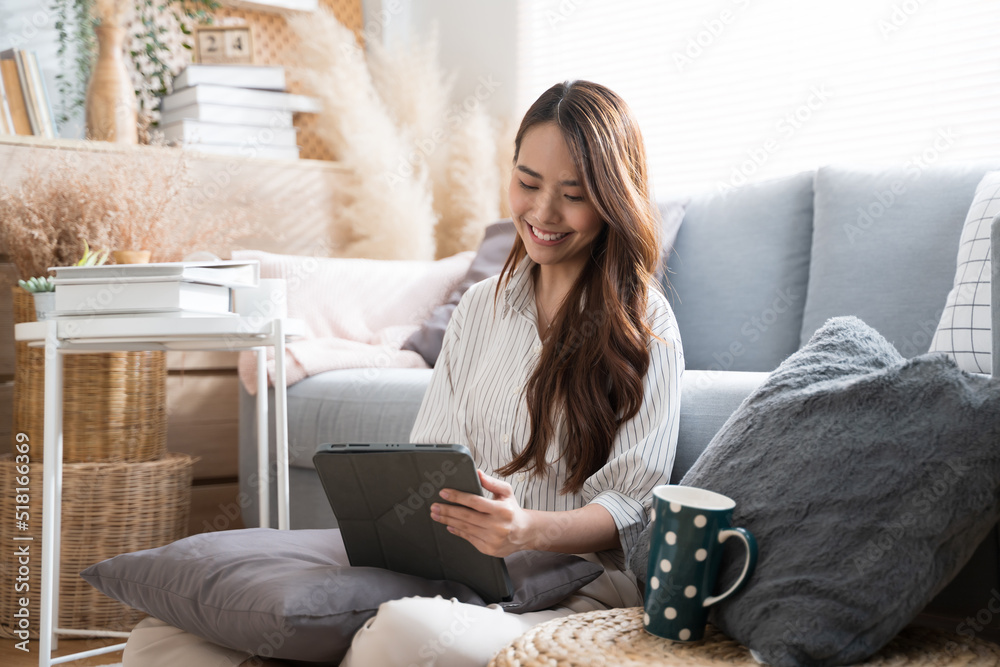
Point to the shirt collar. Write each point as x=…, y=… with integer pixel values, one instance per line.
x=520, y=291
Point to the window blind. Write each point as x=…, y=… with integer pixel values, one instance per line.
x=736, y=91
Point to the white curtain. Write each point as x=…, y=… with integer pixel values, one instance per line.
x=732, y=91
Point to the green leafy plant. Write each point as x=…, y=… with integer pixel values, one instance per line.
x=157, y=75
x=37, y=284
x=75, y=23
x=91, y=258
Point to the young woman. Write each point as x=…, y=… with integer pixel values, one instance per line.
x=562, y=376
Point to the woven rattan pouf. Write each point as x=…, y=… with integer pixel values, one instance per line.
x=616, y=637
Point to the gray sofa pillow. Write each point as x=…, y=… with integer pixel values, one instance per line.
x=739, y=272
x=293, y=591
x=868, y=481
x=884, y=246
x=487, y=263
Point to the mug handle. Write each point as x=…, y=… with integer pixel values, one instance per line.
x=748, y=566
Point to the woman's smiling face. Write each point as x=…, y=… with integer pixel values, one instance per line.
x=554, y=218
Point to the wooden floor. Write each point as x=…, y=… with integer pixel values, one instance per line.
x=13, y=657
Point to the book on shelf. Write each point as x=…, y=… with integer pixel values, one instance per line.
x=228, y=273
x=17, y=57
x=6, y=121
x=247, y=150
x=46, y=101
x=39, y=94
x=262, y=77
x=27, y=95
x=198, y=132
x=15, y=96
x=245, y=97
x=224, y=113
x=118, y=298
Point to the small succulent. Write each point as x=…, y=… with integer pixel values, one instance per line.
x=40, y=284
x=91, y=258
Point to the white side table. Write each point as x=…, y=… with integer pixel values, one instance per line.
x=125, y=334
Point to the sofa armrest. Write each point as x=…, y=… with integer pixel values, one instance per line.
x=995, y=293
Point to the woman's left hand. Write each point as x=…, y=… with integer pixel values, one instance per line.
x=496, y=526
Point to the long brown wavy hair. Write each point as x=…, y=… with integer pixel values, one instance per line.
x=594, y=358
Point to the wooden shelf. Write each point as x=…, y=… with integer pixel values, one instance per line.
x=108, y=147
x=273, y=5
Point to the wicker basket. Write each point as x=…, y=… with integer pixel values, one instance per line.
x=107, y=509
x=114, y=404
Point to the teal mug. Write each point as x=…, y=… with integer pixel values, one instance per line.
x=689, y=528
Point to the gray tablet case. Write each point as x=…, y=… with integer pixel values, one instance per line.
x=381, y=496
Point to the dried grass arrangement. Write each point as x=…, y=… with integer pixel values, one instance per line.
x=381, y=220
x=132, y=202
x=427, y=178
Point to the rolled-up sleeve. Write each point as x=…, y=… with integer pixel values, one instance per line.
x=643, y=453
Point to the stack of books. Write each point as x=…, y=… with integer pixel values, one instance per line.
x=234, y=110
x=166, y=289
x=24, y=99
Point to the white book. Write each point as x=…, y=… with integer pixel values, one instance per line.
x=227, y=272
x=224, y=113
x=247, y=150
x=262, y=77
x=198, y=132
x=116, y=296
x=7, y=122
x=258, y=99
x=43, y=106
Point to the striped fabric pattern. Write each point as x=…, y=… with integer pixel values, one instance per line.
x=476, y=397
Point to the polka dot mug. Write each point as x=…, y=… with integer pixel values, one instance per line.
x=689, y=527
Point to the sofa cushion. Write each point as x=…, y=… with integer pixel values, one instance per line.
x=240, y=588
x=354, y=405
x=488, y=262
x=884, y=246
x=868, y=480
x=708, y=398
x=738, y=275
x=965, y=326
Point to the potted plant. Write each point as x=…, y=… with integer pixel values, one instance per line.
x=44, y=292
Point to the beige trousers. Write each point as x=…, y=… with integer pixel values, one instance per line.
x=412, y=632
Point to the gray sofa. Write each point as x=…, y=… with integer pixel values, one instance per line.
x=754, y=272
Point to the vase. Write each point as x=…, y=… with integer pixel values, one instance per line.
x=111, y=107
x=131, y=256
x=45, y=303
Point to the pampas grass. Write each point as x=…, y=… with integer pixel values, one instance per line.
x=468, y=197
x=413, y=88
x=506, y=130
x=389, y=213
x=426, y=176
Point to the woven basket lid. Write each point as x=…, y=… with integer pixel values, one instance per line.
x=616, y=637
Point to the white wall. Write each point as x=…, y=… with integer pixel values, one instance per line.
x=30, y=25
x=477, y=41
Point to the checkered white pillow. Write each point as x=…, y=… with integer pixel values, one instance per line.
x=964, y=329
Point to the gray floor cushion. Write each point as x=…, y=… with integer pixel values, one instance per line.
x=241, y=588
x=868, y=481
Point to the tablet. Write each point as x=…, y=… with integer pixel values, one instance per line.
x=382, y=496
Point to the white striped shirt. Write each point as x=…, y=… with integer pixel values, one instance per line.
x=476, y=397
